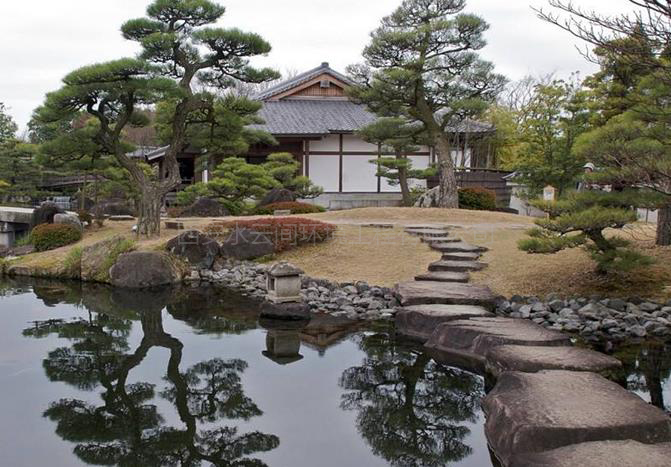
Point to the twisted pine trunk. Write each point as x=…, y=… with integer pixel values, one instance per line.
x=664, y=225
x=449, y=190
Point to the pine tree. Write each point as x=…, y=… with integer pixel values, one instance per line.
x=399, y=137
x=20, y=173
x=283, y=167
x=7, y=125
x=422, y=64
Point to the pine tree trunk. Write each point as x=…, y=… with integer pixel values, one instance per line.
x=664, y=226
x=449, y=190
x=149, y=221
x=403, y=182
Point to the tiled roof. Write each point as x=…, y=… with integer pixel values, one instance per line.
x=313, y=117
x=300, y=79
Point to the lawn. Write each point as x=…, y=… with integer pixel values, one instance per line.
x=387, y=256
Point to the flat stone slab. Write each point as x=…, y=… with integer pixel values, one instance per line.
x=379, y=226
x=444, y=293
x=531, y=359
x=536, y=412
x=444, y=276
x=427, y=226
x=600, y=454
x=457, y=247
x=457, y=266
x=461, y=256
x=420, y=321
x=474, y=338
x=440, y=239
x=428, y=232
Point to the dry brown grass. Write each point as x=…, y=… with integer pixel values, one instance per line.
x=387, y=256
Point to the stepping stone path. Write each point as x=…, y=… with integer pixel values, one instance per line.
x=600, y=454
x=535, y=412
x=420, y=321
x=549, y=407
x=444, y=276
x=532, y=359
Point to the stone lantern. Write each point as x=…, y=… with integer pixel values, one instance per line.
x=283, y=281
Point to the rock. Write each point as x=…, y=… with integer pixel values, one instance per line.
x=196, y=248
x=531, y=359
x=600, y=454
x=427, y=234
x=536, y=412
x=456, y=266
x=457, y=247
x=461, y=256
x=637, y=331
x=277, y=195
x=617, y=304
x=21, y=250
x=474, y=338
x=205, y=207
x=68, y=219
x=429, y=199
x=45, y=213
x=444, y=276
x=448, y=293
x=144, y=269
x=648, y=307
x=285, y=311
x=567, y=313
x=420, y=321
x=607, y=324
x=245, y=244
x=525, y=311
x=97, y=259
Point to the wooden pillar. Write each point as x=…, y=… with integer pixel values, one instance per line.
x=379, y=156
x=340, y=165
x=307, y=158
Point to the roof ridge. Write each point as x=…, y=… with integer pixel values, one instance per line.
x=300, y=79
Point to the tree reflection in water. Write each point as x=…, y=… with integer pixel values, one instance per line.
x=411, y=410
x=647, y=367
x=127, y=428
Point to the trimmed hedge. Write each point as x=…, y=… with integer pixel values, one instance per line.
x=478, y=199
x=49, y=236
x=284, y=232
x=294, y=206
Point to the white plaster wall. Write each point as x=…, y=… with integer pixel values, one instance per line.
x=324, y=172
x=457, y=155
x=352, y=143
x=329, y=143
x=359, y=174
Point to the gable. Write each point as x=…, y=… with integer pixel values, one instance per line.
x=321, y=86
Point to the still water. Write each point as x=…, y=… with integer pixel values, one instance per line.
x=94, y=376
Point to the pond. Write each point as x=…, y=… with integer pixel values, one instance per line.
x=96, y=376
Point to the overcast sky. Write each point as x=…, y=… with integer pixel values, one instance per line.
x=45, y=39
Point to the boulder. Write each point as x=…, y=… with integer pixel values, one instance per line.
x=429, y=199
x=44, y=214
x=599, y=454
x=195, y=248
x=444, y=293
x=277, y=195
x=536, y=412
x=284, y=312
x=68, y=219
x=531, y=359
x=444, y=276
x=144, y=269
x=419, y=322
x=244, y=244
x=474, y=338
x=205, y=207
x=97, y=259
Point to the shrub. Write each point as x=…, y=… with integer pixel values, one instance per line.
x=284, y=232
x=49, y=236
x=294, y=206
x=85, y=217
x=478, y=199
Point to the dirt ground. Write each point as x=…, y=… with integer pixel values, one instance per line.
x=388, y=256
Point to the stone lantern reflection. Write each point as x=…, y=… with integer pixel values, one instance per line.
x=283, y=281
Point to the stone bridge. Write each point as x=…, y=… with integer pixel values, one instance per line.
x=14, y=222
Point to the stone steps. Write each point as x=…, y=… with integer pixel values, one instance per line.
x=428, y=233
x=457, y=247
x=427, y=227
x=461, y=256
x=444, y=293
x=530, y=413
x=456, y=266
x=440, y=239
x=419, y=322
x=444, y=276
x=531, y=359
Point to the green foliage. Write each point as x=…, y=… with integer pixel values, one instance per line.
x=582, y=219
x=479, y=199
x=7, y=125
x=555, y=117
x=284, y=167
x=293, y=206
x=20, y=172
x=126, y=245
x=50, y=236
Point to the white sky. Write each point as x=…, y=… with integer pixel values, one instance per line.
x=45, y=39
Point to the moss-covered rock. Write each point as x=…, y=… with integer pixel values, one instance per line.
x=145, y=269
x=98, y=259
